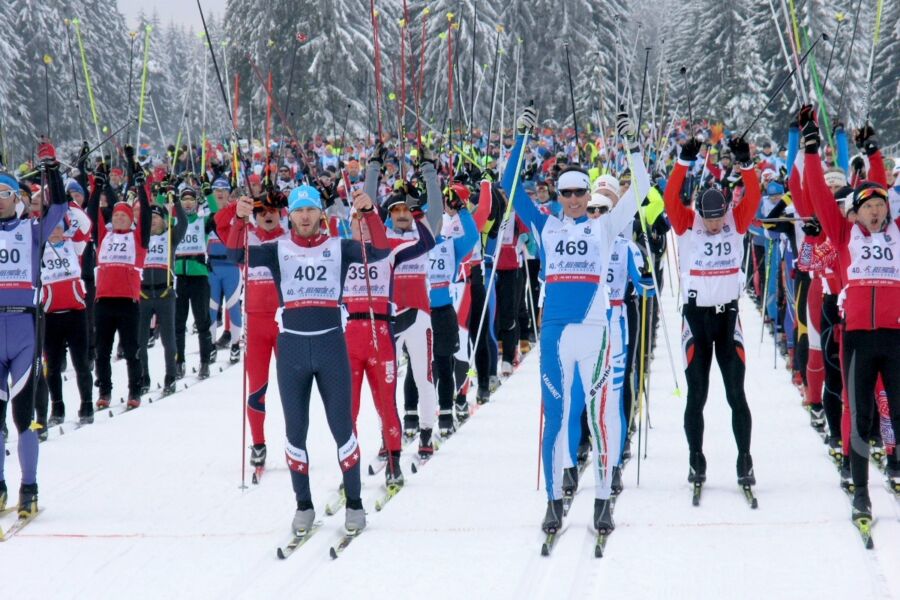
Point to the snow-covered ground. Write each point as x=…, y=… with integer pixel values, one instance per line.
x=148, y=505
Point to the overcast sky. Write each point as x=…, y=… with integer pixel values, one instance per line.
x=181, y=11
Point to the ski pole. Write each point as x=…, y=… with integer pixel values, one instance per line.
x=847, y=62
x=87, y=79
x=784, y=81
x=137, y=141
x=640, y=394
x=572, y=97
x=67, y=22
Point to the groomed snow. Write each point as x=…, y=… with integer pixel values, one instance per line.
x=148, y=505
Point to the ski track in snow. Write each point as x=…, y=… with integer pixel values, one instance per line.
x=149, y=505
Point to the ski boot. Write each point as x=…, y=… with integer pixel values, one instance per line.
x=626, y=452
x=154, y=335
x=846, y=478
x=133, y=402
x=461, y=407
x=145, y=386
x=603, y=519
x=583, y=453
x=697, y=470
x=303, y=519
x=393, y=475
x=410, y=424
x=494, y=383
x=554, y=517
x=203, y=373
x=524, y=346
x=892, y=472
x=4, y=495
x=213, y=354
x=179, y=370
x=169, y=386
x=41, y=430
x=876, y=451
x=57, y=417
x=506, y=369
x=86, y=419
x=862, y=506
x=103, y=401
x=354, y=518
x=426, y=447
x=224, y=340
x=483, y=395
x=28, y=500
x=617, y=485
x=745, y=469
x=445, y=423
x=817, y=417
x=570, y=481
x=834, y=448
x=258, y=455
x=234, y=355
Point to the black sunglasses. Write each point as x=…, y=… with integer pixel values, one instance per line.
x=598, y=209
x=575, y=192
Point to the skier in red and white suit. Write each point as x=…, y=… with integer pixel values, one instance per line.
x=367, y=296
x=261, y=302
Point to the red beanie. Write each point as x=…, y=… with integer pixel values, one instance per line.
x=124, y=207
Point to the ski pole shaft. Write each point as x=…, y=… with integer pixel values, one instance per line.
x=572, y=98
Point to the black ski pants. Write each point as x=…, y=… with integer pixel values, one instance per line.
x=192, y=293
x=117, y=315
x=69, y=328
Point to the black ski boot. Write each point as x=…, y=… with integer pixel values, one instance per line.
x=234, y=355
x=697, y=470
x=862, y=506
x=28, y=500
x=554, y=517
x=258, y=455
x=42, y=434
x=145, y=386
x=603, y=519
x=410, y=424
x=817, y=417
x=483, y=395
x=626, y=452
x=570, y=481
x=169, y=387
x=446, y=428
x=745, y=469
x=846, y=478
x=4, y=493
x=204, y=371
x=213, y=354
x=617, y=485
x=393, y=475
x=426, y=447
x=461, y=407
x=179, y=370
x=224, y=340
x=57, y=415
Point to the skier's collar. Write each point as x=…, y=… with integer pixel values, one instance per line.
x=567, y=219
x=309, y=242
x=265, y=235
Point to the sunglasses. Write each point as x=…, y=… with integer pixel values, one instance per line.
x=575, y=192
x=598, y=209
x=7, y=194
x=869, y=193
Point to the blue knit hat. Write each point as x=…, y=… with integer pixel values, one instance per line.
x=774, y=189
x=9, y=180
x=72, y=185
x=221, y=184
x=304, y=196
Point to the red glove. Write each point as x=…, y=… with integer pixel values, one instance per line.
x=46, y=152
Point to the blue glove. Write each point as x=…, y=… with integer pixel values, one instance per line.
x=647, y=289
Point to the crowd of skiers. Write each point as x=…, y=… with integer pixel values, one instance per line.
x=345, y=262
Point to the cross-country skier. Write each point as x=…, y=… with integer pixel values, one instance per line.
x=711, y=247
x=21, y=241
x=575, y=349
x=309, y=271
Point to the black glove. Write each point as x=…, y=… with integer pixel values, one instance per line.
x=82, y=156
x=690, y=150
x=811, y=138
x=101, y=176
x=740, y=149
x=129, y=153
x=812, y=227
x=379, y=153
x=858, y=165
x=865, y=140
x=427, y=155
x=139, y=178
x=862, y=134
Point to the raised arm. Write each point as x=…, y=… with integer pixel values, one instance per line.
x=681, y=216
x=522, y=204
x=435, y=212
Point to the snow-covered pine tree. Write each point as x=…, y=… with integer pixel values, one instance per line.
x=16, y=127
x=885, y=104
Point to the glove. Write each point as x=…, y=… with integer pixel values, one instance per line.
x=205, y=189
x=858, y=165
x=812, y=227
x=647, y=289
x=624, y=126
x=811, y=139
x=82, y=156
x=690, y=150
x=454, y=202
x=527, y=121
x=46, y=153
x=427, y=155
x=806, y=114
x=740, y=149
x=865, y=140
x=379, y=153
x=129, y=153
x=862, y=134
x=139, y=178
x=101, y=177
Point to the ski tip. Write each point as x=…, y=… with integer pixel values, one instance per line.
x=280, y=553
x=413, y=468
x=598, y=551
x=371, y=471
x=333, y=553
x=545, y=550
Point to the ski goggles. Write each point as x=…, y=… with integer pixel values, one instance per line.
x=871, y=193
x=598, y=209
x=7, y=194
x=573, y=192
